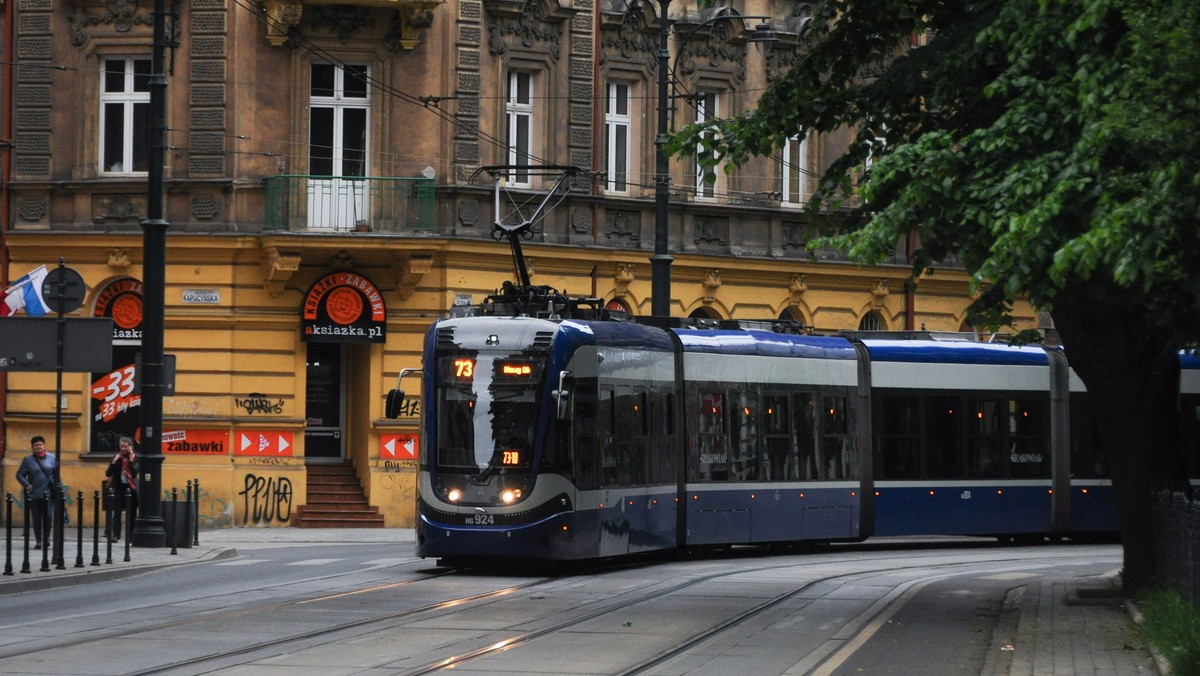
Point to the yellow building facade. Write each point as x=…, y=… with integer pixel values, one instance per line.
x=328, y=195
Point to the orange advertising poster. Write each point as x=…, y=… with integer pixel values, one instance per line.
x=268, y=444
x=398, y=446
x=196, y=442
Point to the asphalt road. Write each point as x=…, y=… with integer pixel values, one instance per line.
x=372, y=608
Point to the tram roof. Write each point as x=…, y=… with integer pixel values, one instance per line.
x=764, y=343
x=954, y=352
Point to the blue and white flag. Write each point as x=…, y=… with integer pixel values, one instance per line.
x=25, y=293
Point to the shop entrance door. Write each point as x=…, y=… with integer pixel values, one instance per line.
x=324, y=403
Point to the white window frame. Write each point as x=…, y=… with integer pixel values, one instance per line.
x=618, y=131
x=340, y=200
x=518, y=113
x=131, y=102
x=340, y=102
x=796, y=174
x=708, y=107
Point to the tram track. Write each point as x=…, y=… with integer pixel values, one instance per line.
x=523, y=604
x=830, y=651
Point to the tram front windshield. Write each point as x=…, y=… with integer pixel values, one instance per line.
x=486, y=407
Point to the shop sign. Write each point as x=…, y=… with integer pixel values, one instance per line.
x=343, y=307
x=122, y=301
x=263, y=444
x=195, y=442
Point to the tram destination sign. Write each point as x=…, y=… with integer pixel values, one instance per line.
x=31, y=344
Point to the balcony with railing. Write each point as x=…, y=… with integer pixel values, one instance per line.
x=299, y=203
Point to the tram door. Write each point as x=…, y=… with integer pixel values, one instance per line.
x=324, y=403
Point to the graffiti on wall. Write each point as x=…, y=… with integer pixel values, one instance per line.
x=266, y=499
x=259, y=404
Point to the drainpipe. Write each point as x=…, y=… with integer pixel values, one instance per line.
x=6, y=91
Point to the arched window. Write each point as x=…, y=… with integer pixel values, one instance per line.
x=872, y=322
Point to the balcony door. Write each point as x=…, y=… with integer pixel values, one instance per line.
x=339, y=109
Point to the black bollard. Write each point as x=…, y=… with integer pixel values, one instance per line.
x=79, y=534
x=174, y=520
x=108, y=513
x=96, y=528
x=128, y=522
x=58, y=528
x=47, y=534
x=196, y=514
x=188, y=507
x=25, y=564
x=8, y=500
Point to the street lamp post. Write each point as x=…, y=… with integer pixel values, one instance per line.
x=149, y=531
x=660, y=262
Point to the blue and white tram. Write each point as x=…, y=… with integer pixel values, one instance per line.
x=591, y=437
x=969, y=438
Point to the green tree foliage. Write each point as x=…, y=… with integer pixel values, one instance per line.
x=1051, y=146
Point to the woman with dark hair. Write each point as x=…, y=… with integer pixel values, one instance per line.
x=122, y=475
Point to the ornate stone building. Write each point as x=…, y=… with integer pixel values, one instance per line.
x=345, y=155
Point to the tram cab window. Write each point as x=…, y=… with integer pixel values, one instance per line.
x=776, y=438
x=839, y=460
x=584, y=423
x=712, y=463
x=744, y=436
x=804, y=435
x=897, y=456
x=1029, y=443
x=985, y=451
x=943, y=454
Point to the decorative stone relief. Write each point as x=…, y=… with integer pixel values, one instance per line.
x=341, y=260
x=205, y=207
x=623, y=277
x=468, y=213
x=712, y=282
x=622, y=225
x=531, y=27
x=411, y=272
x=879, y=292
x=118, y=259
x=280, y=266
x=118, y=208
x=797, y=286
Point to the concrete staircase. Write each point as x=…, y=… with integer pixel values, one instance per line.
x=336, y=500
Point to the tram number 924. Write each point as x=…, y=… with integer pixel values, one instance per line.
x=480, y=520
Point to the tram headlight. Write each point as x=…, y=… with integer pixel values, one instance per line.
x=453, y=495
x=508, y=496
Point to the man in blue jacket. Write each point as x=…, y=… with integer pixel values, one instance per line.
x=36, y=474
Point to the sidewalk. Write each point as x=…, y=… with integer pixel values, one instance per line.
x=1055, y=625
x=214, y=544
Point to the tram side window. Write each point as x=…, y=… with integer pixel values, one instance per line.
x=897, y=456
x=804, y=435
x=835, y=440
x=713, y=462
x=1030, y=442
x=629, y=418
x=744, y=436
x=775, y=435
x=584, y=420
x=662, y=464
x=1087, y=458
x=1189, y=418
x=605, y=443
x=985, y=451
x=943, y=455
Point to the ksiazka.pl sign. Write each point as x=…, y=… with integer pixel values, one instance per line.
x=343, y=307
